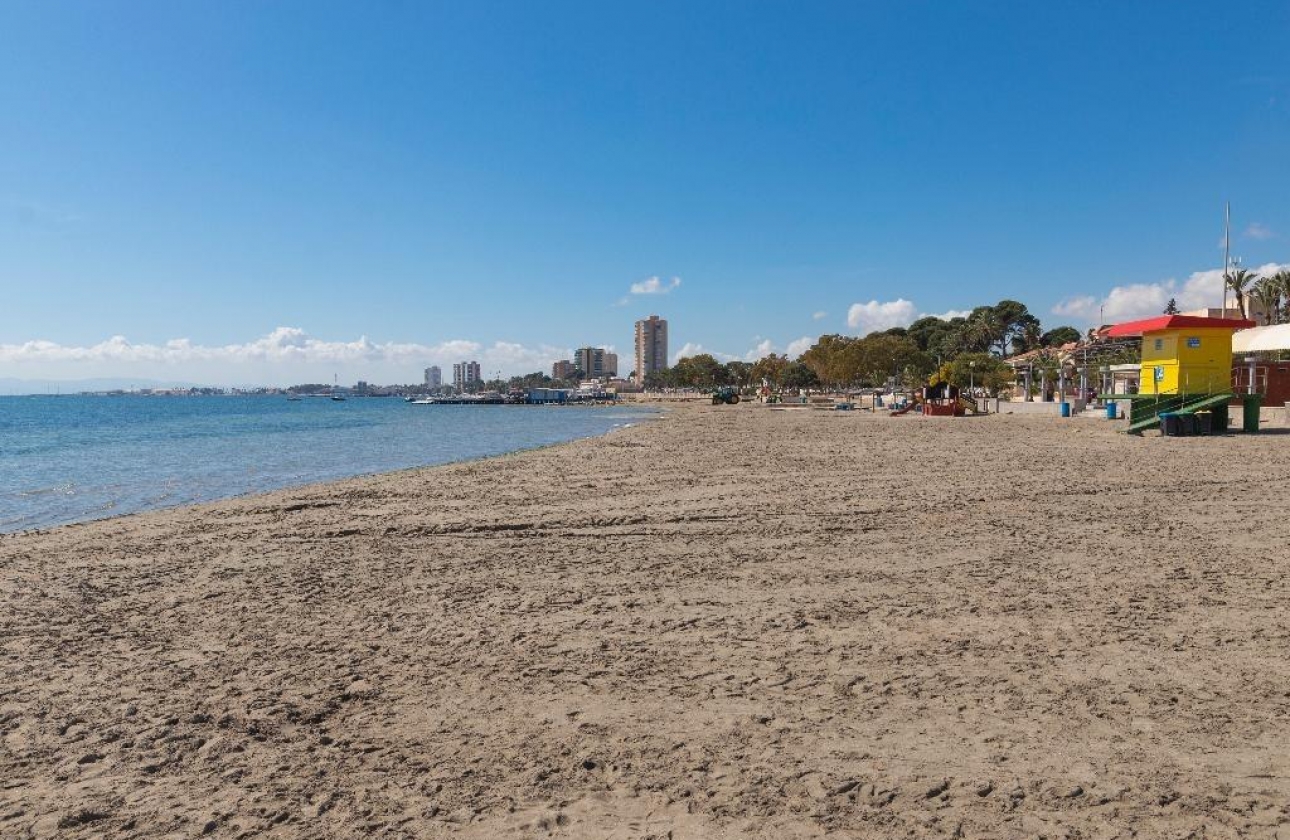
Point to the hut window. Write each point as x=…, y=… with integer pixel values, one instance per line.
x=1160, y=344
x=1193, y=342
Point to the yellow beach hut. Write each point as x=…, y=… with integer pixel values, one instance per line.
x=1186, y=365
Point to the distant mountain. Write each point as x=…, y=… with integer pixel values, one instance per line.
x=11, y=386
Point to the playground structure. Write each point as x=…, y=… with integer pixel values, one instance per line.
x=939, y=400
x=1186, y=374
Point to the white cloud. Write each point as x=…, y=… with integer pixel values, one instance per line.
x=691, y=348
x=284, y=355
x=818, y=316
x=1258, y=230
x=655, y=286
x=763, y=349
x=947, y=315
x=1201, y=290
x=799, y=346
x=1140, y=300
x=1081, y=307
x=688, y=349
x=874, y=316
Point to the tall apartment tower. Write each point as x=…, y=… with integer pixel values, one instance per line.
x=465, y=375
x=651, y=347
x=434, y=376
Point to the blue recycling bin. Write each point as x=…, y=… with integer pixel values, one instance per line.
x=1110, y=410
x=1066, y=409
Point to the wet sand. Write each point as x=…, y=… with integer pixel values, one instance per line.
x=732, y=622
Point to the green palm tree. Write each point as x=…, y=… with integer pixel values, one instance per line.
x=1266, y=292
x=1239, y=281
x=1282, y=279
x=1031, y=335
x=1047, y=366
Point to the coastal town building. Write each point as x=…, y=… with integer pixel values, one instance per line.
x=564, y=369
x=465, y=376
x=1255, y=310
x=596, y=362
x=651, y=347
x=434, y=377
x=1259, y=364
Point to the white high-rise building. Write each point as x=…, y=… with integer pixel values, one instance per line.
x=434, y=377
x=651, y=347
x=465, y=376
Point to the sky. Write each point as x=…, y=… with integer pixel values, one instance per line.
x=264, y=193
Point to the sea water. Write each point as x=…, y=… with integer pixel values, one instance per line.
x=75, y=458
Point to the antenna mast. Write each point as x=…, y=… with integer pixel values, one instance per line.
x=1227, y=246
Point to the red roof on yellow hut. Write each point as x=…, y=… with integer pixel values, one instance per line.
x=1184, y=354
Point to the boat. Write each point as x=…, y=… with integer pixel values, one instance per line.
x=335, y=397
x=293, y=398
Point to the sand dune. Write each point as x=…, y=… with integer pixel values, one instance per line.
x=732, y=622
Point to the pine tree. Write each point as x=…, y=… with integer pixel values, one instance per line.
x=1171, y=308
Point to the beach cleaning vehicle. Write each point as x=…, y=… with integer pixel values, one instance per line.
x=725, y=395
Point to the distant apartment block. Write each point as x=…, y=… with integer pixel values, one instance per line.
x=465, y=376
x=596, y=362
x=563, y=370
x=651, y=347
x=434, y=377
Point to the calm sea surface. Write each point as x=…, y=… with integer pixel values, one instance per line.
x=70, y=459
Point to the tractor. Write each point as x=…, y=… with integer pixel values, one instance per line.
x=725, y=395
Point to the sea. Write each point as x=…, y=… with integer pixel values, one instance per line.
x=67, y=459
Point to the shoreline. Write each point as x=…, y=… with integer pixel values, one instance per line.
x=657, y=410
x=727, y=623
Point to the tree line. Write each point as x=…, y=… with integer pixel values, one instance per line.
x=961, y=350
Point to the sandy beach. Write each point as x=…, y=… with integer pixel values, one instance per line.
x=730, y=622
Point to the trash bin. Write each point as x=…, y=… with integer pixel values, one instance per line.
x=1110, y=410
x=1222, y=420
x=1250, y=417
x=1188, y=424
x=1170, y=426
x=1204, y=422
x=1066, y=409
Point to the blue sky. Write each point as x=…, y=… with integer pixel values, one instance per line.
x=257, y=192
